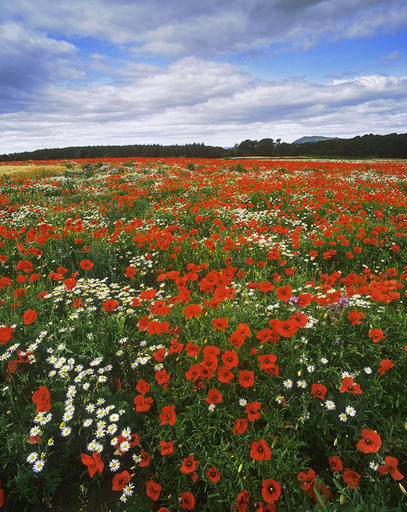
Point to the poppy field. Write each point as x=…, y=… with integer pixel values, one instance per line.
x=207, y=335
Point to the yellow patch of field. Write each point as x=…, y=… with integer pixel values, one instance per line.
x=31, y=170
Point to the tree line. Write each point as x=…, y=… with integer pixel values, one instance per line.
x=368, y=146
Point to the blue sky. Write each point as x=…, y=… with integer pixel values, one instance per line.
x=216, y=71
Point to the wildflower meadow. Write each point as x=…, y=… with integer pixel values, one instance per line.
x=207, y=335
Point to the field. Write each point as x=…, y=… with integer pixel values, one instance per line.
x=203, y=335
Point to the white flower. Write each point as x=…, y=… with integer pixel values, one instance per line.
x=124, y=446
x=35, y=431
x=324, y=360
x=114, y=417
x=87, y=422
x=65, y=431
x=301, y=384
x=100, y=432
x=310, y=368
x=350, y=411
x=368, y=370
x=50, y=441
x=85, y=386
x=38, y=466
x=102, y=379
x=137, y=458
x=373, y=465
x=330, y=405
x=32, y=457
x=211, y=407
x=114, y=465
x=279, y=399
x=128, y=490
x=343, y=417
x=100, y=401
x=288, y=383
x=126, y=432
x=242, y=402
x=90, y=408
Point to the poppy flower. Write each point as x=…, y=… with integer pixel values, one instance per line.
x=318, y=390
x=224, y=375
x=110, y=305
x=286, y=328
x=187, y=501
x=284, y=292
x=260, y=450
x=93, y=462
x=143, y=403
x=219, y=323
x=307, y=479
x=214, y=397
x=267, y=361
x=145, y=459
x=153, y=490
x=376, y=335
x=168, y=415
x=246, y=378
x=370, y=442
x=42, y=399
x=304, y=299
x=131, y=271
x=252, y=410
x=5, y=334
x=213, y=475
x=390, y=466
x=86, y=264
x=120, y=481
x=29, y=316
x=193, y=310
x=2, y=500
x=143, y=387
x=240, y=426
x=335, y=463
x=189, y=465
x=271, y=490
x=385, y=365
x=351, y=478
x=350, y=387
x=167, y=448
x=356, y=318
x=230, y=358
x=70, y=283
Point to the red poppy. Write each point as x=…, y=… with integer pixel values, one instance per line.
x=120, y=481
x=390, y=466
x=355, y=317
x=219, y=323
x=350, y=387
x=168, y=415
x=376, y=335
x=351, y=478
x=259, y=450
x=110, y=305
x=224, y=375
x=304, y=299
x=284, y=292
x=230, y=358
x=153, y=490
x=252, y=410
x=93, y=462
x=143, y=403
x=335, y=463
x=370, y=442
x=42, y=399
x=189, y=465
x=286, y=328
x=267, y=361
x=307, y=479
x=5, y=334
x=2, y=500
x=240, y=426
x=167, y=448
x=143, y=387
x=385, y=365
x=271, y=490
x=187, y=501
x=246, y=378
x=70, y=283
x=213, y=475
x=214, y=397
x=318, y=390
x=29, y=316
x=131, y=271
x=86, y=265
x=145, y=459
x=193, y=310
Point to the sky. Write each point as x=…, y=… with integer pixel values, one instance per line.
x=98, y=72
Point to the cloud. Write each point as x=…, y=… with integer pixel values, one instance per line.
x=29, y=61
x=390, y=57
x=177, y=28
x=193, y=100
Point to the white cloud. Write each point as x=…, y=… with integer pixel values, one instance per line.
x=193, y=100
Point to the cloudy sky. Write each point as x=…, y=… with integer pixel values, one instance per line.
x=84, y=72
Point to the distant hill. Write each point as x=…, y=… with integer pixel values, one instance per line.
x=315, y=138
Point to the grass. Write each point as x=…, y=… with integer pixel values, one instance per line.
x=31, y=170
